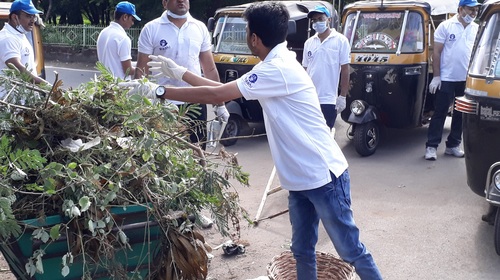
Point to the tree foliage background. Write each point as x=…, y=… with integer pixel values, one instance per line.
x=100, y=12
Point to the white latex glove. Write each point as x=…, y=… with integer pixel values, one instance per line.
x=146, y=89
x=341, y=103
x=166, y=66
x=435, y=84
x=221, y=113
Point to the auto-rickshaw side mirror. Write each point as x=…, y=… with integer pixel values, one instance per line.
x=292, y=27
x=211, y=24
x=39, y=21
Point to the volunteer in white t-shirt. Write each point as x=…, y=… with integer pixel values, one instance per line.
x=185, y=40
x=309, y=163
x=326, y=59
x=114, y=47
x=453, y=41
x=14, y=46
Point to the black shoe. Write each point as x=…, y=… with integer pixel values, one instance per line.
x=490, y=216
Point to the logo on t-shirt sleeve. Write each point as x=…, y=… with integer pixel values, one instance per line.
x=250, y=80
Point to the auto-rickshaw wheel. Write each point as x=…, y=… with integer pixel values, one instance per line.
x=366, y=138
x=497, y=233
x=232, y=130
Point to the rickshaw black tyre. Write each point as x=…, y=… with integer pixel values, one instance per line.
x=497, y=233
x=366, y=138
x=232, y=130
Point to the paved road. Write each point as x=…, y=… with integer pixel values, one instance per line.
x=419, y=218
x=72, y=74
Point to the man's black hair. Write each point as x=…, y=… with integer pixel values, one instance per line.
x=18, y=13
x=269, y=21
x=118, y=15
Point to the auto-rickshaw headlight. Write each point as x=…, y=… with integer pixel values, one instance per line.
x=496, y=179
x=358, y=107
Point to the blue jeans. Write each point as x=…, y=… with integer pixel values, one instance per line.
x=332, y=204
x=444, y=99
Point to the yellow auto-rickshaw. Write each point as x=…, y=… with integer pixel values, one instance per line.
x=481, y=114
x=233, y=57
x=391, y=52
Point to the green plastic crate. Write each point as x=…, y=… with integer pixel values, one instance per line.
x=142, y=230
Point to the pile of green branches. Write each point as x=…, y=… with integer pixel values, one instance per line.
x=78, y=152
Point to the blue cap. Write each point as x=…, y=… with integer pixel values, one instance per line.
x=25, y=6
x=469, y=3
x=320, y=9
x=127, y=8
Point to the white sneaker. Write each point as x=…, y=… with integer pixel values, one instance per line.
x=430, y=153
x=455, y=151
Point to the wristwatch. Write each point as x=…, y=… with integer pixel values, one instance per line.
x=160, y=91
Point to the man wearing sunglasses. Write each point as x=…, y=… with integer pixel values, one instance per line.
x=15, y=48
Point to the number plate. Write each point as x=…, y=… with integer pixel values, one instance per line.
x=371, y=58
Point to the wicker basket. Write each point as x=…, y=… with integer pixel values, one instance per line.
x=330, y=267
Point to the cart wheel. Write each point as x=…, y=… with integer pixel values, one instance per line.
x=366, y=138
x=497, y=233
x=233, y=128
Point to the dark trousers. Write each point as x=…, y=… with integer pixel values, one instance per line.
x=198, y=125
x=330, y=113
x=445, y=97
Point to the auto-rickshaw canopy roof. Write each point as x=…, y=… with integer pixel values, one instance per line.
x=437, y=7
x=487, y=6
x=297, y=9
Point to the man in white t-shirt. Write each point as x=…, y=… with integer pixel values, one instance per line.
x=185, y=40
x=309, y=163
x=326, y=60
x=114, y=47
x=453, y=41
x=15, y=48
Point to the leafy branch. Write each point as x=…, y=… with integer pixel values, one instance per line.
x=79, y=153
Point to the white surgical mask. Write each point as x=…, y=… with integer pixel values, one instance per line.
x=468, y=19
x=319, y=26
x=176, y=15
x=20, y=28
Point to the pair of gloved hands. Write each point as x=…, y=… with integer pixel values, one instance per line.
x=165, y=67
x=168, y=68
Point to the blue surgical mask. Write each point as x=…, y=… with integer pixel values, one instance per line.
x=320, y=26
x=176, y=15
